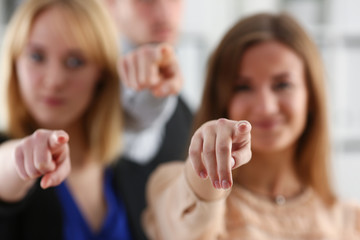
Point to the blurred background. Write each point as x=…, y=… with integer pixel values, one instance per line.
x=335, y=27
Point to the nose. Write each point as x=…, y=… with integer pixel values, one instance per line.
x=266, y=102
x=161, y=10
x=55, y=78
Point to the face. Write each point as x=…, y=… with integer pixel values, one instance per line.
x=271, y=93
x=56, y=80
x=149, y=21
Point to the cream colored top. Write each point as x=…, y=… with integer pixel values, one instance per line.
x=175, y=213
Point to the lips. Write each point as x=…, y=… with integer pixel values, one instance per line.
x=53, y=101
x=266, y=124
x=163, y=34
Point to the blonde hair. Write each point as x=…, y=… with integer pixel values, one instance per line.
x=93, y=29
x=313, y=148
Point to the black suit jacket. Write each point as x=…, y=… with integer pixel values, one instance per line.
x=133, y=177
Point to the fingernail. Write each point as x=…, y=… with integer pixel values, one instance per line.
x=225, y=184
x=203, y=174
x=61, y=139
x=217, y=184
x=243, y=125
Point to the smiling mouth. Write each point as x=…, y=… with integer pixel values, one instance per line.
x=53, y=102
x=267, y=125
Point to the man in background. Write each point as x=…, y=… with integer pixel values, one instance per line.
x=157, y=120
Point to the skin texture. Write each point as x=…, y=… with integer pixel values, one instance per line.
x=57, y=83
x=153, y=27
x=150, y=21
x=56, y=80
x=270, y=93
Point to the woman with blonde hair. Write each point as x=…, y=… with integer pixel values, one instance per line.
x=267, y=71
x=59, y=69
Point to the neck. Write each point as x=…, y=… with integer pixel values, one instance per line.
x=77, y=144
x=270, y=175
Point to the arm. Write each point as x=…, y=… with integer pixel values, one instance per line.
x=150, y=77
x=44, y=153
x=184, y=201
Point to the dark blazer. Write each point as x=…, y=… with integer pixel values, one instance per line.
x=132, y=177
x=38, y=216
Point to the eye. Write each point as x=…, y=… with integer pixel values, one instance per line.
x=37, y=57
x=282, y=85
x=74, y=62
x=242, y=88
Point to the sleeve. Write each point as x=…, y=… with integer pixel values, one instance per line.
x=145, y=120
x=11, y=209
x=3, y=138
x=175, y=212
x=143, y=109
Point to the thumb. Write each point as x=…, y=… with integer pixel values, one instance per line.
x=241, y=146
x=57, y=139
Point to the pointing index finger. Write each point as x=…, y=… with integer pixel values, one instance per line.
x=57, y=139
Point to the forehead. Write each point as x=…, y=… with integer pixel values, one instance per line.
x=51, y=27
x=270, y=56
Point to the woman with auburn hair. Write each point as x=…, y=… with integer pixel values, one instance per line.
x=267, y=71
x=59, y=69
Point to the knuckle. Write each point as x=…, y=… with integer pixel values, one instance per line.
x=193, y=153
x=145, y=50
x=39, y=134
x=223, y=149
x=221, y=122
x=223, y=172
x=209, y=153
x=207, y=128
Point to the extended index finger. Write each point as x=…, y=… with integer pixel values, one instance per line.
x=57, y=139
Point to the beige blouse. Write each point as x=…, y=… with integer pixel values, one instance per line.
x=175, y=213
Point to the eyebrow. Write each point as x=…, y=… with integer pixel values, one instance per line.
x=243, y=79
x=37, y=46
x=33, y=45
x=281, y=75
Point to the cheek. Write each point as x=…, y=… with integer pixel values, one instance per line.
x=28, y=77
x=83, y=88
x=298, y=108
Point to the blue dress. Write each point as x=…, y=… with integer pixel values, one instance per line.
x=75, y=227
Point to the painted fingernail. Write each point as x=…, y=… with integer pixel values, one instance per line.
x=203, y=174
x=217, y=184
x=61, y=139
x=243, y=125
x=225, y=184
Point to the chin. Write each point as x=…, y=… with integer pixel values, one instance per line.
x=51, y=123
